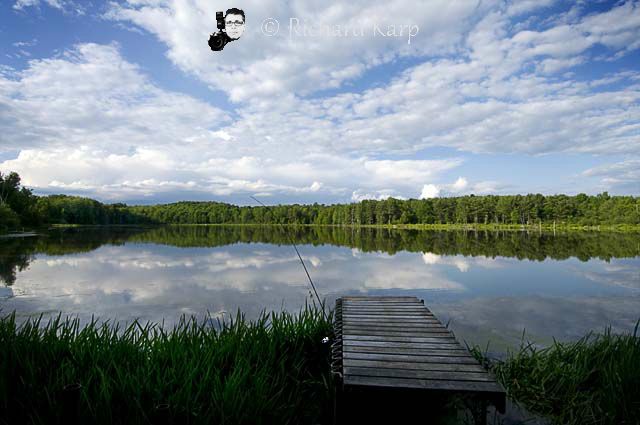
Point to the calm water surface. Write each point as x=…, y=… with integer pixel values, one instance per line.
x=489, y=286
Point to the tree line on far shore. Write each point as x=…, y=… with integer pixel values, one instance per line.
x=19, y=207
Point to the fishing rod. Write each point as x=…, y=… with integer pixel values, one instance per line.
x=301, y=261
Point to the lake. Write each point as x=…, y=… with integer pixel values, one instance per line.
x=490, y=286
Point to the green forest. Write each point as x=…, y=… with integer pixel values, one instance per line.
x=20, y=208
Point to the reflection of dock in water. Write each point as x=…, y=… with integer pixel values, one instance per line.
x=392, y=358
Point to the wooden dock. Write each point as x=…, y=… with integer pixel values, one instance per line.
x=394, y=348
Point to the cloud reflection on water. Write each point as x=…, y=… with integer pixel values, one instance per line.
x=485, y=297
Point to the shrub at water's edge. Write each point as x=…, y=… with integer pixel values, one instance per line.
x=595, y=380
x=271, y=370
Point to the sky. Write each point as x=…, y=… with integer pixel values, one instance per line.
x=327, y=102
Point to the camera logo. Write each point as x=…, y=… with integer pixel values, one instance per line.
x=230, y=28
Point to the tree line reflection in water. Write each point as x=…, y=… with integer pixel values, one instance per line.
x=17, y=253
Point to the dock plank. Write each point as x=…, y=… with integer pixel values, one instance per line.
x=454, y=367
x=409, y=351
x=411, y=333
x=438, y=349
x=391, y=325
x=419, y=374
x=408, y=358
x=434, y=338
x=457, y=386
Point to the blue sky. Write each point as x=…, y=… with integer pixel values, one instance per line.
x=124, y=101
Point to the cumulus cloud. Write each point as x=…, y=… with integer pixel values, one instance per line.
x=460, y=187
x=379, y=195
x=622, y=177
x=91, y=95
x=460, y=184
x=463, y=264
x=429, y=191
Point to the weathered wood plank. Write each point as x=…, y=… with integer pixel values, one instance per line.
x=443, y=349
x=405, y=350
x=419, y=374
x=378, y=301
x=346, y=312
x=399, y=332
x=382, y=301
x=396, y=332
x=408, y=358
x=373, y=328
x=385, y=311
x=413, y=304
x=389, y=320
x=397, y=338
x=489, y=387
x=391, y=326
x=452, y=367
x=391, y=316
x=424, y=349
x=400, y=312
x=410, y=306
x=421, y=345
x=421, y=313
x=384, y=307
x=378, y=297
x=403, y=306
x=383, y=325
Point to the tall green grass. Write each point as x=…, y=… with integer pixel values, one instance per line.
x=595, y=380
x=271, y=370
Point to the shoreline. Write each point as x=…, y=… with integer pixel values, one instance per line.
x=546, y=228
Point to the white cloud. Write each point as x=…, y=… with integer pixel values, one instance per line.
x=460, y=184
x=378, y=195
x=620, y=177
x=518, y=7
x=21, y=4
x=463, y=264
x=66, y=6
x=20, y=44
x=91, y=95
x=460, y=187
x=429, y=191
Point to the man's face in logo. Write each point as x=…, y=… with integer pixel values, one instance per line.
x=234, y=25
